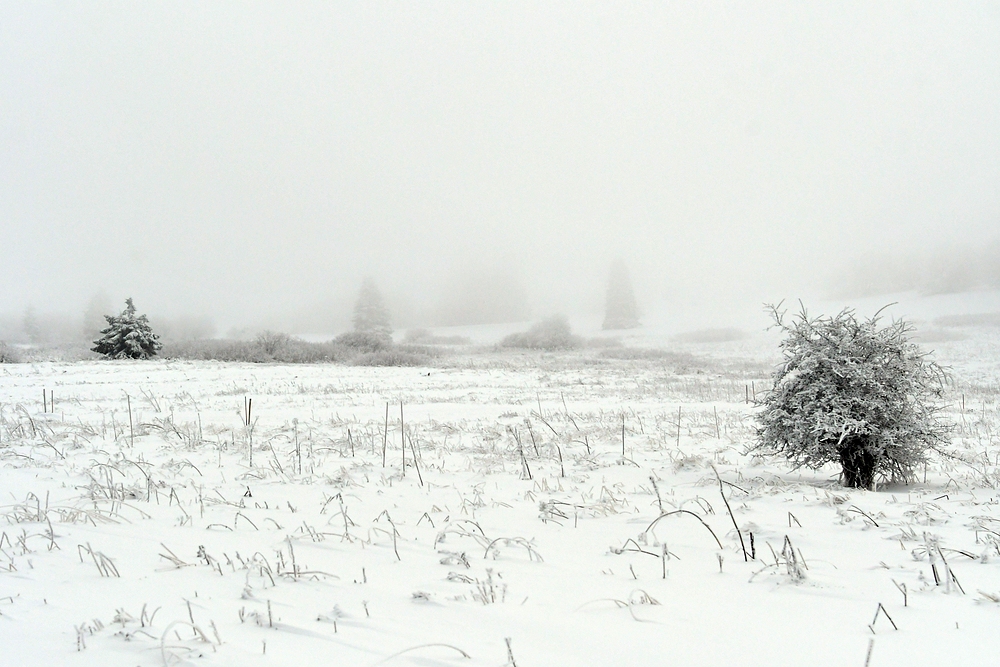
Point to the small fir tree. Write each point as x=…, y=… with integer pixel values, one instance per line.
x=620, y=311
x=127, y=336
x=855, y=393
x=370, y=313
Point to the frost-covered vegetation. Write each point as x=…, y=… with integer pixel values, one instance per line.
x=554, y=508
x=8, y=355
x=127, y=336
x=854, y=392
x=551, y=333
x=351, y=348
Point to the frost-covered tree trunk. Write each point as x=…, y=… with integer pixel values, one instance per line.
x=857, y=462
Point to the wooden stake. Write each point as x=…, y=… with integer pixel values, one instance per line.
x=623, y=435
x=131, y=432
x=298, y=451
x=249, y=409
x=385, y=433
x=413, y=450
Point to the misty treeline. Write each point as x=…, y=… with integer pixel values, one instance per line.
x=484, y=297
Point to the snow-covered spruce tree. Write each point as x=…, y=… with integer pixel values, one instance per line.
x=370, y=313
x=620, y=310
x=855, y=393
x=127, y=336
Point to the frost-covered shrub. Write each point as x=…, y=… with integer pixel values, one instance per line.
x=365, y=341
x=213, y=349
x=8, y=355
x=298, y=351
x=127, y=336
x=552, y=333
x=394, y=357
x=272, y=343
x=292, y=351
x=855, y=393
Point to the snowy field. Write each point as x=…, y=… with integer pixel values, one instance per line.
x=554, y=509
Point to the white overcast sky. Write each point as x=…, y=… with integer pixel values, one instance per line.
x=251, y=159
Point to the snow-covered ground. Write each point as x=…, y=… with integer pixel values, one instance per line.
x=136, y=530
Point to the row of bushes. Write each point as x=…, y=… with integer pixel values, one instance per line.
x=378, y=349
x=357, y=348
x=554, y=334
x=362, y=349
x=67, y=352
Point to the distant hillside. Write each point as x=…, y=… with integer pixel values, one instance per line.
x=937, y=271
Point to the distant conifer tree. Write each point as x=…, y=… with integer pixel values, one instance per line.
x=370, y=312
x=620, y=311
x=31, y=326
x=127, y=336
